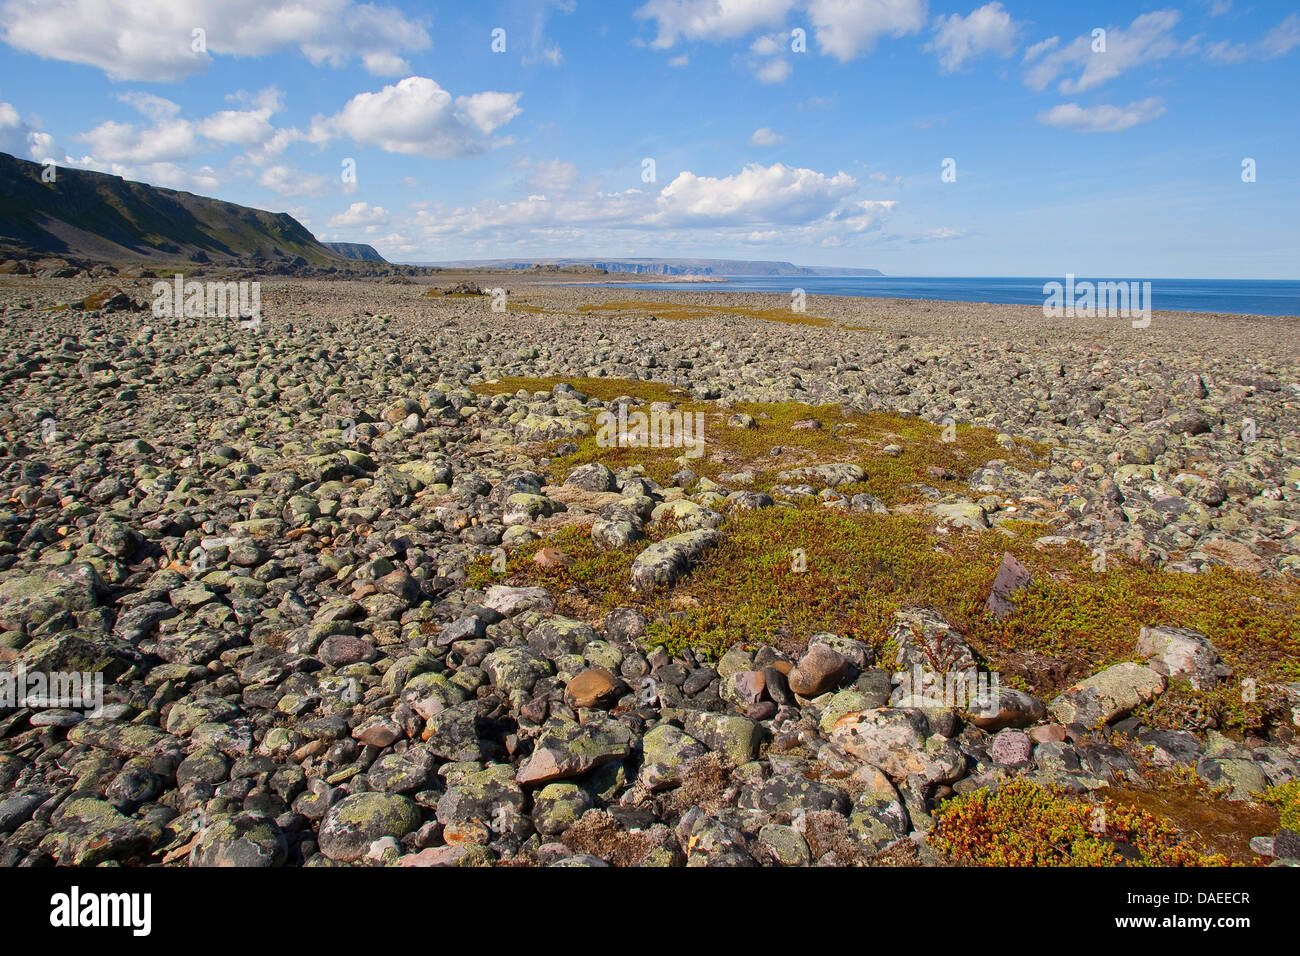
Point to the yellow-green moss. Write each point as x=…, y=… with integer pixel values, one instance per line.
x=1287, y=800
x=1024, y=824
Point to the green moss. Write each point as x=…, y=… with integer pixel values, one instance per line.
x=839, y=435
x=684, y=312
x=1024, y=824
x=1287, y=799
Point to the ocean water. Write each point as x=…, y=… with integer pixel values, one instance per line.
x=1228, y=296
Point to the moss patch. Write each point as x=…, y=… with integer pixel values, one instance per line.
x=1027, y=825
x=687, y=313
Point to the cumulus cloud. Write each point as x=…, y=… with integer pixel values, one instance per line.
x=285, y=180
x=756, y=205
x=711, y=19
x=957, y=39
x=846, y=29
x=168, y=139
x=153, y=40
x=1105, y=118
x=765, y=136
x=20, y=138
x=772, y=194
x=416, y=116
x=361, y=214
x=1147, y=39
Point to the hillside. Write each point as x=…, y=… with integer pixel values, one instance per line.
x=361, y=251
x=107, y=218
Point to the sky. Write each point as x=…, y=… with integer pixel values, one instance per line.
x=1132, y=140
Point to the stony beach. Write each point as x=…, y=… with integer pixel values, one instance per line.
x=366, y=588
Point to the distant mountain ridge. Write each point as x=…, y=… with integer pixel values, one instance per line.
x=106, y=218
x=666, y=267
x=362, y=251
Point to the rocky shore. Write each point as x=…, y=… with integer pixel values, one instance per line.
x=365, y=589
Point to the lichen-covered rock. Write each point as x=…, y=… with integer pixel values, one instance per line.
x=351, y=825
x=664, y=562
x=1107, y=695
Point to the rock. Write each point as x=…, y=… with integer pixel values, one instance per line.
x=1107, y=695
x=566, y=749
x=961, y=514
x=244, y=840
x=894, y=739
x=665, y=751
x=664, y=562
x=736, y=738
x=786, y=845
x=1004, y=707
x=509, y=601
x=1286, y=845
x=1012, y=748
x=351, y=825
x=551, y=558
x=558, y=806
x=340, y=650
x=593, y=687
x=820, y=670
x=1012, y=577
x=1179, y=653
x=593, y=477
x=829, y=476
x=1243, y=778
x=924, y=639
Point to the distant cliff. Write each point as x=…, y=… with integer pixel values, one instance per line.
x=105, y=218
x=355, y=250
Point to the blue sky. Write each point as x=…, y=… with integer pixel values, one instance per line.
x=1108, y=155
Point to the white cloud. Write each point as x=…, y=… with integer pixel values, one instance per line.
x=152, y=40
x=711, y=19
x=1147, y=39
x=288, y=181
x=1039, y=48
x=1279, y=41
x=1103, y=119
x=680, y=61
x=758, y=204
x=385, y=63
x=773, y=71
x=19, y=138
x=125, y=143
x=772, y=194
x=846, y=29
x=766, y=136
x=361, y=214
x=416, y=116
x=989, y=29
x=550, y=176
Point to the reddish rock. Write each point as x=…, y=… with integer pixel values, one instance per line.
x=339, y=650
x=818, y=671
x=594, y=687
x=1048, y=733
x=749, y=686
x=552, y=558
x=1012, y=577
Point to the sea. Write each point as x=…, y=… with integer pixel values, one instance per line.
x=1224, y=296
